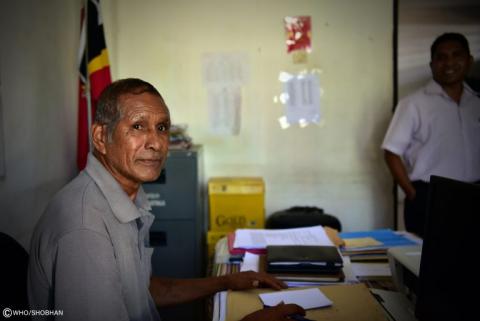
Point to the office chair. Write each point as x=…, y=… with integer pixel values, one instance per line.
x=13, y=274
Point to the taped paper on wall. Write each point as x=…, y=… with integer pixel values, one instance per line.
x=301, y=98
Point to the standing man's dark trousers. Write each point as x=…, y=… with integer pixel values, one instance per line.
x=415, y=211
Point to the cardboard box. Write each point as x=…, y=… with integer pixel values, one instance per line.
x=236, y=202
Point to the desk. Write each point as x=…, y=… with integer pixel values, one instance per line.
x=396, y=306
x=340, y=293
x=405, y=265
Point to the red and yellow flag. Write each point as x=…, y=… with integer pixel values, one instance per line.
x=94, y=73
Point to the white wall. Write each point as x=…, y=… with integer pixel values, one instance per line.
x=337, y=165
x=38, y=52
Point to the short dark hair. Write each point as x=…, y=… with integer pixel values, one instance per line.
x=108, y=110
x=450, y=36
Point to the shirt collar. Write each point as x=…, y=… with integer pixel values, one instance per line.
x=122, y=206
x=434, y=88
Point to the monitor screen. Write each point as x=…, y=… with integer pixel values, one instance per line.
x=448, y=275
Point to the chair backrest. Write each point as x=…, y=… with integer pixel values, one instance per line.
x=302, y=216
x=13, y=274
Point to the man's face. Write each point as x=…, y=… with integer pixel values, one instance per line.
x=450, y=63
x=139, y=145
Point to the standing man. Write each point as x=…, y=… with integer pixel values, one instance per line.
x=89, y=255
x=436, y=130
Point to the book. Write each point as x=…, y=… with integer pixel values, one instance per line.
x=384, y=238
x=303, y=259
x=316, y=277
x=305, y=278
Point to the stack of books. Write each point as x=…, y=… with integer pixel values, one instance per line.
x=370, y=246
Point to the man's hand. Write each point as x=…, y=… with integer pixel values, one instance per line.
x=249, y=280
x=276, y=313
x=399, y=173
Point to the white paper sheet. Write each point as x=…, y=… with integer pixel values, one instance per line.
x=221, y=68
x=224, y=108
x=220, y=306
x=250, y=262
x=350, y=276
x=307, y=299
x=258, y=238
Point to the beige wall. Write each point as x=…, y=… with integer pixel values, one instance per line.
x=336, y=165
x=39, y=41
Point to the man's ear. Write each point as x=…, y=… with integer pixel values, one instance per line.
x=99, y=137
x=471, y=61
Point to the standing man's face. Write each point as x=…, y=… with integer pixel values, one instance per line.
x=139, y=145
x=450, y=63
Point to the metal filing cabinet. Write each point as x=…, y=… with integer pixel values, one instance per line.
x=178, y=231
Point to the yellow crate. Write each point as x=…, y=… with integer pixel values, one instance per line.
x=236, y=202
x=212, y=239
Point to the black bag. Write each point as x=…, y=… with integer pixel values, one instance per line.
x=301, y=216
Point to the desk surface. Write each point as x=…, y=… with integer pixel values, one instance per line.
x=351, y=302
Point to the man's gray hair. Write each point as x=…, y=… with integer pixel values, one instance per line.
x=109, y=111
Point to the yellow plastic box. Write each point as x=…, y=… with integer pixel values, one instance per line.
x=236, y=202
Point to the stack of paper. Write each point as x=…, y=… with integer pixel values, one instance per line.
x=256, y=240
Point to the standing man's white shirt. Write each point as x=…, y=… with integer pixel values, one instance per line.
x=435, y=136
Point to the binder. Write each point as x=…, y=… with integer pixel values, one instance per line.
x=303, y=259
x=310, y=279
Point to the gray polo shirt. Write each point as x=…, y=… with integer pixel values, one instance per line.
x=88, y=254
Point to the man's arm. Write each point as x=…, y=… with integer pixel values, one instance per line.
x=399, y=173
x=167, y=291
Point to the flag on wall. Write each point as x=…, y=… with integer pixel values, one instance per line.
x=94, y=73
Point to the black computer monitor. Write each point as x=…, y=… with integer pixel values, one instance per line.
x=448, y=285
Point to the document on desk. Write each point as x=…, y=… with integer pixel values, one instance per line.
x=258, y=238
x=251, y=262
x=307, y=299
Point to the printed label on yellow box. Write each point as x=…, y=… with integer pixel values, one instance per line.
x=236, y=203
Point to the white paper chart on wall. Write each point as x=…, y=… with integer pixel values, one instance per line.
x=301, y=99
x=224, y=74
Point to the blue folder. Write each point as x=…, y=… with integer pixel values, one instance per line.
x=387, y=237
